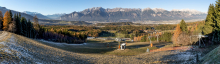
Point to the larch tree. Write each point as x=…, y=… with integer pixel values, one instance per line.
x=183, y=26
x=7, y=19
x=176, y=34
x=1, y=20
x=36, y=26
x=209, y=22
x=12, y=26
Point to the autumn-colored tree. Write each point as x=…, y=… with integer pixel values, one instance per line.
x=36, y=24
x=7, y=20
x=176, y=34
x=1, y=20
x=12, y=26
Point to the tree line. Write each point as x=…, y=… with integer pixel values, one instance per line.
x=22, y=26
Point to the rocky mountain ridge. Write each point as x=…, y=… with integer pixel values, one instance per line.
x=132, y=14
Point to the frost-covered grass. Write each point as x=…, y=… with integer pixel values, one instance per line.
x=212, y=57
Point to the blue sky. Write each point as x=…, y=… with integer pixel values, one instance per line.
x=67, y=6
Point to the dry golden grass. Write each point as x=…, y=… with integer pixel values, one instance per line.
x=6, y=37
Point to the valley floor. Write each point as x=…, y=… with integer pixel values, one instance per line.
x=18, y=49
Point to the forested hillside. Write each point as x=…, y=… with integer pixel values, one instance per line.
x=20, y=25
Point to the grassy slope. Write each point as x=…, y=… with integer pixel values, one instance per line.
x=212, y=57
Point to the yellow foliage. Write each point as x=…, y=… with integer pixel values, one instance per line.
x=176, y=33
x=7, y=19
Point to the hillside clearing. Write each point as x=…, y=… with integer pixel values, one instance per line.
x=19, y=49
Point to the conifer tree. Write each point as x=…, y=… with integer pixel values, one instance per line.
x=30, y=28
x=176, y=34
x=18, y=24
x=1, y=20
x=11, y=16
x=10, y=13
x=19, y=15
x=216, y=34
x=209, y=22
x=7, y=19
x=183, y=26
x=24, y=26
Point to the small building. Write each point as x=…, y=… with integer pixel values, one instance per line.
x=123, y=46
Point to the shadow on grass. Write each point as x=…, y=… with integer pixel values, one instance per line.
x=158, y=45
x=89, y=48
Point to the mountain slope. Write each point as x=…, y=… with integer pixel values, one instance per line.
x=3, y=9
x=39, y=15
x=131, y=14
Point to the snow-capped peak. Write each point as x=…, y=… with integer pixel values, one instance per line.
x=158, y=10
x=28, y=12
x=193, y=11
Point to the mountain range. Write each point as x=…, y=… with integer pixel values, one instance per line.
x=118, y=14
x=3, y=9
x=39, y=15
x=132, y=14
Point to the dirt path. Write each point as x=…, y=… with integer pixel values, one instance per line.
x=24, y=50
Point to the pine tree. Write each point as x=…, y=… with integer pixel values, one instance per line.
x=24, y=26
x=183, y=26
x=216, y=34
x=30, y=29
x=11, y=16
x=18, y=24
x=1, y=20
x=177, y=32
x=7, y=20
x=10, y=13
x=209, y=22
